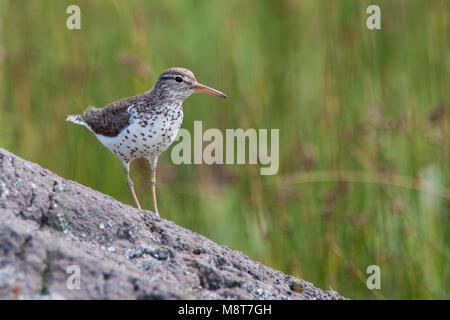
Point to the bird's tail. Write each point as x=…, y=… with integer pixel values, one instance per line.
x=78, y=119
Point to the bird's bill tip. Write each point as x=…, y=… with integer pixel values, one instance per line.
x=204, y=89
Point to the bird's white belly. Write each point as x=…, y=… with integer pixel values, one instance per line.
x=142, y=141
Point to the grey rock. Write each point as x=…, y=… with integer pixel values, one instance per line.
x=49, y=224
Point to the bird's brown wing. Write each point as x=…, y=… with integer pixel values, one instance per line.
x=110, y=120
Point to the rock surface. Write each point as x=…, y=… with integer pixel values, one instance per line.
x=50, y=225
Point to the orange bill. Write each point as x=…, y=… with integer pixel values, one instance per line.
x=202, y=88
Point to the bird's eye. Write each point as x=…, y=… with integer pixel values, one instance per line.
x=179, y=79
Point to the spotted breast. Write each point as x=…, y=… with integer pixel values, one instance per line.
x=147, y=134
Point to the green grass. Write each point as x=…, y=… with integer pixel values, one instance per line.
x=357, y=145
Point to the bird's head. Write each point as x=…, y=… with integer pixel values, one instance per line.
x=180, y=83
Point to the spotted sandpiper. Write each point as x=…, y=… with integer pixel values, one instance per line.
x=145, y=125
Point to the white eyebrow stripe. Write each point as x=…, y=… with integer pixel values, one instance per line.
x=172, y=76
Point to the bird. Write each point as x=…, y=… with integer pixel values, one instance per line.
x=145, y=125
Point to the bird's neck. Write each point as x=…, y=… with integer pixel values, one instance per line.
x=161, y=98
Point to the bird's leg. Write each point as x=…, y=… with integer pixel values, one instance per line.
x=130, y=185
x=153, y=184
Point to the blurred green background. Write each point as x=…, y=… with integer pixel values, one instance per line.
x=363, y=117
